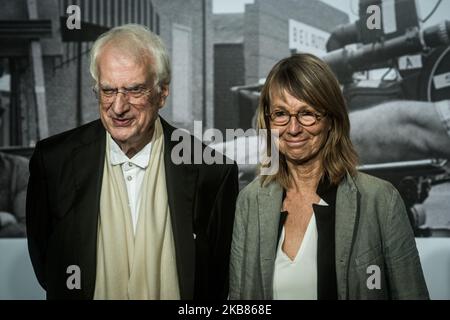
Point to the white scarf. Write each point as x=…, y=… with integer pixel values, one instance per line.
x=141, y=266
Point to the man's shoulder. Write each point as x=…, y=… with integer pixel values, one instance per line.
x=218, y=167
x=71, y=138
x=200, y=155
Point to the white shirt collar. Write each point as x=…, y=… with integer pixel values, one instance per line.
x=140, y=159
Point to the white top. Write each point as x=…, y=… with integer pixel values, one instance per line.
x=297, y=279
x=133, y=172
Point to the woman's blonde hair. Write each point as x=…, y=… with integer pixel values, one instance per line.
x=307, y=78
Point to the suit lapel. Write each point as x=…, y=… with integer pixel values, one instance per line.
x=181, y=183
x=88, y=161
x=269, y=206
x=346, y=215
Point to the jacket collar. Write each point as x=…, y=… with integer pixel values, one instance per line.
x=347, y=203
x=181, y=183
x=88, y=158
x=269, y=205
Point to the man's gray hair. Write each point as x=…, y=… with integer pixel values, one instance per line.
x=138, y=41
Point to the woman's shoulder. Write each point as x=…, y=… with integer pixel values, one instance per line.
x=367, y=182
x=250, y=192
x=251, y=189
x=371, y=187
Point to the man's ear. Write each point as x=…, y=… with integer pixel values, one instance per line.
x=163, y=95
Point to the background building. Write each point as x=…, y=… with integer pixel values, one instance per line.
x=247, y=45
x=46, y=88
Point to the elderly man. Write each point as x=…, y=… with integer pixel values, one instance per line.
x=13, y=190
x=109, y=214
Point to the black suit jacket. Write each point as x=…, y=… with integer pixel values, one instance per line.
x=63, y=205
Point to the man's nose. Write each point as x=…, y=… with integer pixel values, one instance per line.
x=294, y=127
x=120, y=104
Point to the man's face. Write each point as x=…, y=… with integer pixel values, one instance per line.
x=129, y=120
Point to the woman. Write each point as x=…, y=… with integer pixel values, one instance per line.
x=318, y=229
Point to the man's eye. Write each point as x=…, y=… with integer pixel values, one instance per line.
x=135, y=90
x=108, y=92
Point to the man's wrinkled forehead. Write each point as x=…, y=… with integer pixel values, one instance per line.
x=113, y=56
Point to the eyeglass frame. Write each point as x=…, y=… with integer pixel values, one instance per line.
x=316, y=115
x=125, y=91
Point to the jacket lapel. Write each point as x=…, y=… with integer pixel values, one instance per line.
x=88, y=161
x=181, y=181
x=346, y=215
x=326, y=256
x=269, y=207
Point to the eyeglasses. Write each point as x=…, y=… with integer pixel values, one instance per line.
x=133, y=94
x=305, y=118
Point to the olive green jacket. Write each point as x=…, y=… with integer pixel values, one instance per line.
x=371, y=229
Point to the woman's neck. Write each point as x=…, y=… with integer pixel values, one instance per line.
x=305, y=177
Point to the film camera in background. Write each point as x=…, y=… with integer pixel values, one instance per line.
x=415, y=65
x=419, y=59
